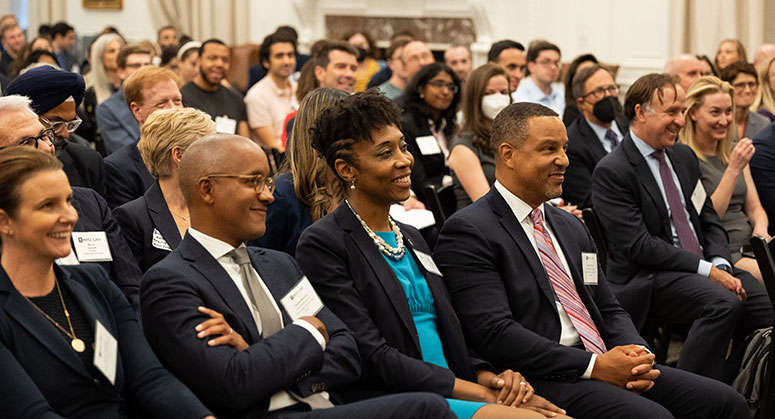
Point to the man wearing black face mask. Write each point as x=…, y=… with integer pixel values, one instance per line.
x=593, y=135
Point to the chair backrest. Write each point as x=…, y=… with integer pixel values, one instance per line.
x=764, y=252
x=593, y=224
x=441, y=202
x=242, y=58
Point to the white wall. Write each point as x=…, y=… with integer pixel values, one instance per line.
x=133, y=20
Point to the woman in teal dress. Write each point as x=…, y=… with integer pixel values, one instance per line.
x=378, y=276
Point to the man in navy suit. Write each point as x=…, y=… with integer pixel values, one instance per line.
x=595, y=133
x=266, y=358
x=526, y=285
x=669, y=254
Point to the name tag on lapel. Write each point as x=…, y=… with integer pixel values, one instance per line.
x=225, y=125
x=105, y=352
x=698, y=197
x=427, y=262
x=428, y=145
x=302, y=300
x=158, y=241
x=589, y=268
x=92, y=246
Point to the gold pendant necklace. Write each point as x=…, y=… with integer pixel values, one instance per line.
x=75, y=343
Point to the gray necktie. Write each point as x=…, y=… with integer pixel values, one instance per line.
x=262, y=302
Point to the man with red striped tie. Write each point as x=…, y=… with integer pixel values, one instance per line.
x=530, y=295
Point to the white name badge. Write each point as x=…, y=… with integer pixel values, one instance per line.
x=698, y=197
x=158, y=241
x=589, y=268
x=302, y=300
x=225, y=125
x=92, y=246
x=427, y=262
x=428, y=145
x=105, y=352
x=70, y=259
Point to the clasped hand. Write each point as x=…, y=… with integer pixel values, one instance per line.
x=629, y=367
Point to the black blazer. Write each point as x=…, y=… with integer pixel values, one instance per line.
x=44, y=377
x=126, y=176
x=84, y=167
x=354, y=280
x=503, y=296
x=138, y=220
x=238, y=384
x=763, y=171
x=584, y=152
x=428, y=169
x=636, y=224
x=94, y=215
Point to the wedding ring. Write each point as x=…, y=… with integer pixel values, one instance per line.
x=522, y=383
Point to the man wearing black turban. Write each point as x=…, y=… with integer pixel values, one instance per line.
x=55, y=94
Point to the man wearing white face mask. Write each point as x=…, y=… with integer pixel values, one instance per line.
x=471, y=158
x=594, y=134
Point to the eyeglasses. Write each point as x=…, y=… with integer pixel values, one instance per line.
x=743, y=84
x=453, y=88
x=58, y=125
x=47, y=136
x=601, y=92
x=258, y=182
x=549, y=63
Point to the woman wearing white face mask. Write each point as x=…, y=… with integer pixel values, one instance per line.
x=470, y=158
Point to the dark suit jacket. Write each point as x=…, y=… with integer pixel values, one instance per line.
x=503, y=296
x=584, y=152
x=286, y=218
x=117, y=125
x=354, y=280
x=428, y=169
x=635, y=220
x=138, y=220
x=44, y=377
x=232, y=383
x=84, y=167
x=126, y=176
x=763, y=171
x=94, y=215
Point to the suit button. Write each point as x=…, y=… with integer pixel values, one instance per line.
x=96, y=381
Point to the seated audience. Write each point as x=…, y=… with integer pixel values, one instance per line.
x=729, y=51
x=12, y=41
x=765, y=98
x=149, y=89
x=571, y=111
x=470, y=157
x=530, y=296
x=458, y=58
x=742, y=76
x=724, y=169
x=258, y=71
x=762, y=166
x=708, y=69
x=368, y=65
x=543, y=67
x=389, y=291
x=430, y=108
x=394, y=86
x=668, y=252
x=595, y=133
x=39, y=56
x=118, y=127
x=101, y=81
x=215, y=313
x=55, y=95
x=207, y=92
x=305, y=190
x=63, y=42
x=336, y=66
x=154, y=223
x=188, y=61
x=687, y=67
x=23, y=57
x=274, y=96
x=510, y=55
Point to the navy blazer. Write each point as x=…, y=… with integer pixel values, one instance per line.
x=636, y=224
x=763, y=171
x=428, y=169
x=94, y=215
x=503, y=296
x=83, y=166
x=232, y=383
x=126, y=176
x=140, y=219
x=584, y=152
x=357, y=283
x=286, y=218
x=118, y=126
x=44, y=377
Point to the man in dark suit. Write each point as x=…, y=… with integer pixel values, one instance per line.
x=594, y=134
x=268, y=357
x=763, y=171
x=669, y=255
x=147, y=90
x=526, y=285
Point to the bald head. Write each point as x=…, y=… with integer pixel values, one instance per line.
x=687, y=67
x=763, y=55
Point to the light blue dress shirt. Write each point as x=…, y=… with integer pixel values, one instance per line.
x=600, y=132
x=528, y=91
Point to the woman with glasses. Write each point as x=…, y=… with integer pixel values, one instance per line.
x=765, y=99
x=155, y=223
x=428, y=122
x=742, y=76
x=726, y=177
x=70, y=345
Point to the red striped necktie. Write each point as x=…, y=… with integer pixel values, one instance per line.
x=564, y=288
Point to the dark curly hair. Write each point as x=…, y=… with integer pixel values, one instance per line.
x=266, y=45
x=352, y=120
x=416, y=106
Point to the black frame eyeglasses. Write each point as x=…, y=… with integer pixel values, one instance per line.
x=47, y=136
x=452, y=87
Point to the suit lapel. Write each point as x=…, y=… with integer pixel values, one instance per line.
x=161, y=216
x=646, y=179
x=593, y=143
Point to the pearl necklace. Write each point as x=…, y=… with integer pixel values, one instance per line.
x=394, y=253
